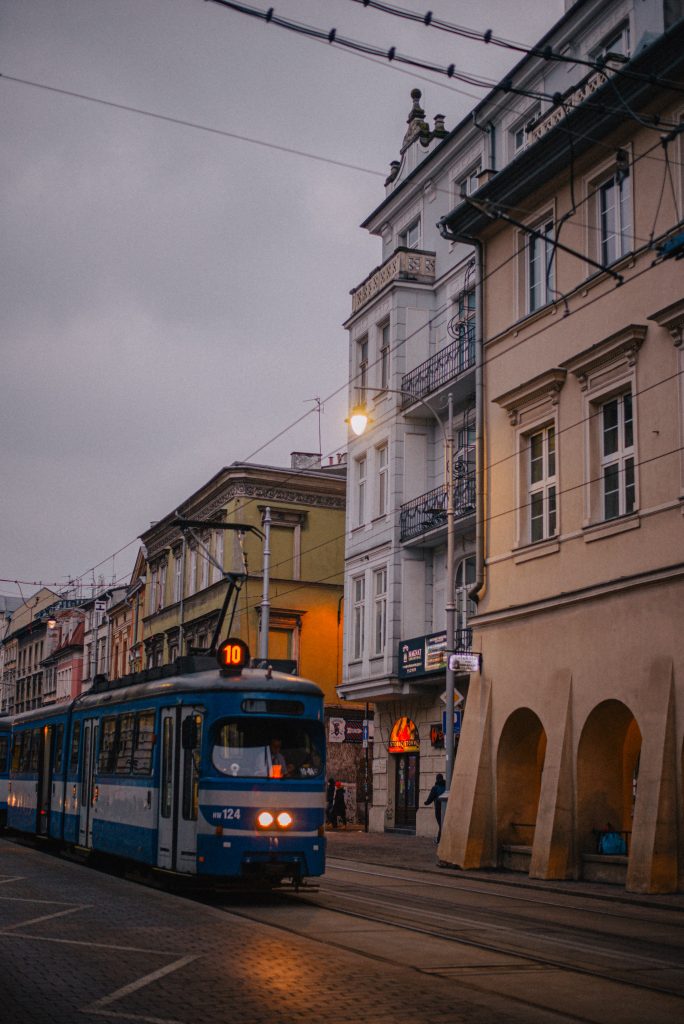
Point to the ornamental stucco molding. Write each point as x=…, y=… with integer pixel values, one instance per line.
x=622, y=346
x=545, y=387
x=672, y=319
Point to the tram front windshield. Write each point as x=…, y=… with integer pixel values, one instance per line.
x=272, y=748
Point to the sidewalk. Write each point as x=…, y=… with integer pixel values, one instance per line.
x=419, y=853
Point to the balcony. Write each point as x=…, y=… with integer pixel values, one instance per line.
x=429, y=511
x=439, y=369
x=403, y=265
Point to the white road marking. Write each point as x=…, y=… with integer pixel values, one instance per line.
x=90, y=945
x=30, y=899
x=99, y=1005
x=45, y=917
x=12, y=878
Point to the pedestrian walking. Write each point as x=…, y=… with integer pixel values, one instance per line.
x=339, y=809
x=434, y=798
x=329, y=798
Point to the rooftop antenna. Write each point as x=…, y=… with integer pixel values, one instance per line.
x=319, y=409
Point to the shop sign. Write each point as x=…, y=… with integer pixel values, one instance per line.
x=336, y=730
x=404, y=737
x=464, y=661
x=422, y=655
x=353, y=730
x=437, y=736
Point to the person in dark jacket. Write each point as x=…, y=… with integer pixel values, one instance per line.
x=339, y=809
x=434, y=798
x=329, y=798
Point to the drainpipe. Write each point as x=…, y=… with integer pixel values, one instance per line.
x=477, y=588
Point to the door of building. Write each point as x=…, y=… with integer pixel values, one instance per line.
x=406, y=790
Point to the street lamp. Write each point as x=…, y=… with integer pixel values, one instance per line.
x=358, y=421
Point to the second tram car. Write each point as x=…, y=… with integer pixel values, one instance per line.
x=5, y=740
x=185, y=768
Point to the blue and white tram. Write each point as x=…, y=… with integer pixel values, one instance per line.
x=5, y=739
x=199, y=773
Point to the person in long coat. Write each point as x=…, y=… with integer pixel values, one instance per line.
x=434, y=798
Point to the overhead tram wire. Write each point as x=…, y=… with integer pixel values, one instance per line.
x=391, y=54
x=182, y=122
x=487, y=37
x=646, y=154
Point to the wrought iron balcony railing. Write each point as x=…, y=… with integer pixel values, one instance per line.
x=429, y=511
x=446, y=364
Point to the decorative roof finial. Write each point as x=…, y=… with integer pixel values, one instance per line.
x=417, y=126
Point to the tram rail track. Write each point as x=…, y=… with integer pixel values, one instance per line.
x=513, y=939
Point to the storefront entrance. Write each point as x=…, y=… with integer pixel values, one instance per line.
x=406, y=790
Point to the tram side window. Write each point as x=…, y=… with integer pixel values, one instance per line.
x=17, y=751
x=191, y=767
x=144, y=743
x=35, y=750
x=4, y=749
x=124, y=746
x=75, y=743
x=59, y=748
x=108, y=738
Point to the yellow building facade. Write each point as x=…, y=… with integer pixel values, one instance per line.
x=185, y=588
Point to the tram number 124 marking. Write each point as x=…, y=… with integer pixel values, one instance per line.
x=227, y=814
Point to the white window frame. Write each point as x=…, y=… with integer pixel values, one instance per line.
x=540, y=266
x=620, y=461
x=542, y=485
x=162, y=586
x=519, y=138
x=379, y=611
x=361, y=368
x=614, y=239
x=358, y=639
x=218, y=556
x=468, y=183
x=177, y=577
x=620, y=34
x=384, y=330
x=410, y=236
x=192, y=572
x=382, y=462
x=204, y=568
x=361, y=489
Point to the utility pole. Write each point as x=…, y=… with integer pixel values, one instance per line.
x=265, y=602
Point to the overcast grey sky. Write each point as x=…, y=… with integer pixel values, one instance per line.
x=171, y=298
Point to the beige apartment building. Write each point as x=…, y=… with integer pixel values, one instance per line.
x=574, y=727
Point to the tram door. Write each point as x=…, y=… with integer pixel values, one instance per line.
x=181, y=744
x=406, y=789
x=44, y=788
x=88, y=788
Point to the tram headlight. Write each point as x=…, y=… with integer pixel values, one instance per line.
x=264, y=819
x=285, y=819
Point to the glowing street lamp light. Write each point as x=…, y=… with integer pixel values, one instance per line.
x=358, y=421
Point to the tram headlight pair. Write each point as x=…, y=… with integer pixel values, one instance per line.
x=266, y=819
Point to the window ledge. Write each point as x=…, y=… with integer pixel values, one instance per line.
x=610, y=527
x=537, y=550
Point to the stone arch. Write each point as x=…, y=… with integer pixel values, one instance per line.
x=519, y=766
x=607, y=772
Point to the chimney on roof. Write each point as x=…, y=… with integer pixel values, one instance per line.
x=305, y=460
